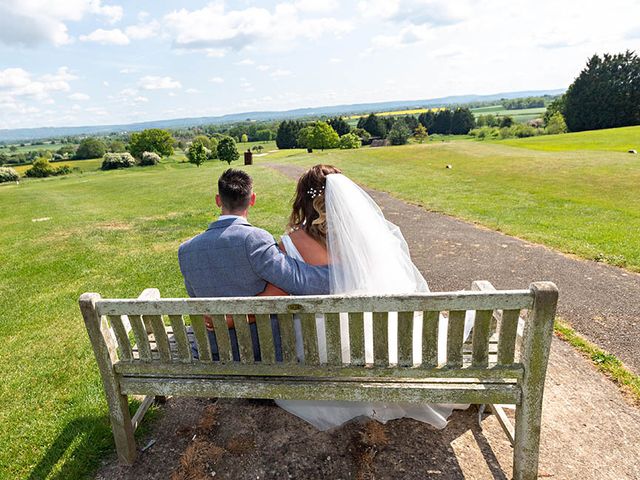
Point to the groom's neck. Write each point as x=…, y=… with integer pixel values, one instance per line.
x=239, y=213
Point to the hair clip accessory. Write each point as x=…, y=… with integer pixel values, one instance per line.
x=313, y=193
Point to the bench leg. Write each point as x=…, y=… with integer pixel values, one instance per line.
x=527, y=444
x=535, y=356
x=122, y=427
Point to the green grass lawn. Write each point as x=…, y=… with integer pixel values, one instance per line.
x=582, y=202
x=115, y=233
x=81, y=165
x=611, y=140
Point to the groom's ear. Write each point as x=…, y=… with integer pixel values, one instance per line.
x=218, y=201
x=252, y=202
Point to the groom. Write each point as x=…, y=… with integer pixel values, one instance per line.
x=232, y=258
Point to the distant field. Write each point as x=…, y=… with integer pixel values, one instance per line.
x=612, y=140
x=28, y=148
x=270, y=145
x=415, y=111
x=520, y=116
x=83, y=165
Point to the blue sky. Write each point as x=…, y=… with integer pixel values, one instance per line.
x=86, y=62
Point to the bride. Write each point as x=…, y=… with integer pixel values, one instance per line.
x=335, y=222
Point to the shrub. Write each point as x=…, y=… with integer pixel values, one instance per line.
x=399, y=133
x=42, y=168
x=365, y=136
x=524, y=131
x=506, y=132
x=556, y=124
x=114, y=161
x=349, y=140
x=149, y=158
x=8, y=174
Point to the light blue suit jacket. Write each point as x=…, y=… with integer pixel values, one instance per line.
x=232, y=258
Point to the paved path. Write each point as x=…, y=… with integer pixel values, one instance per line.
x=600, y=301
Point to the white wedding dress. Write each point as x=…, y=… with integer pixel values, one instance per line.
x=368, y=255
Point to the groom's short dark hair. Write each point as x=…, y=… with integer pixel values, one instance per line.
x=235, y=188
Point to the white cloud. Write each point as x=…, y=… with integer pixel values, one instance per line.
x=192, y=90
x=18, y=86
x=151, y=82
x=106, y=37
x=215, y=27
x=280, y=73
x=417, y=12
x=79, y=97
x=216, y=80
x=335, y=60
x=263, y=68
x=315, y=6
x=245, y=62
x=35, y=22
x=143, y=30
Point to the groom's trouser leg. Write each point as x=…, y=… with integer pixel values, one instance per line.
x=277, y=341
x=235, y=351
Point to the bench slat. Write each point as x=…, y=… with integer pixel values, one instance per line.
x=454, y=338
x=356, y=338
x=243, y=333
x=223, y=340
x=381, y=338
x=160, y=336
x=180, y=338
x=430, y=323
x=124, y=344
x=202, y=340
x=287, y=337
x=481, y=334
x=310, y=338
x=221, y=386
x=332, y=329
x=507, y=339
x=462, y=300
x=405, y=339
x=141, y=336
x=265, y=339
x=469, y=373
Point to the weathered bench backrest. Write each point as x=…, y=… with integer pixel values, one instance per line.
x=160, y=343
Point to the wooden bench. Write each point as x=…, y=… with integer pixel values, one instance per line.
x=142, y=348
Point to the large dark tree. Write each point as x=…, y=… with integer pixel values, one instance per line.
x=462, y=121
x=374, y=125
x=606, y=94
x=442, y=122
x=288, y=133
x=339, y=125
x=410, y=121
x=426, y=119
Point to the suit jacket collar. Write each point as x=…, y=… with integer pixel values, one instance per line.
x=227, y=222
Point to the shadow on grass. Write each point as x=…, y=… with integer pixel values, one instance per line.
x=77, y=450
x=82, y=445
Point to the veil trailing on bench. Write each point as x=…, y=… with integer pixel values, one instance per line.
x=369, y=255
